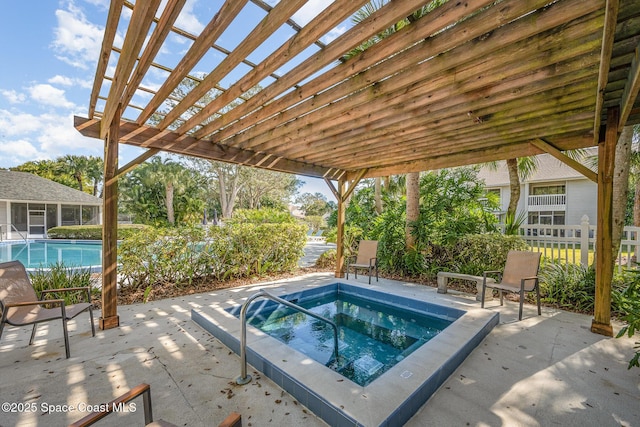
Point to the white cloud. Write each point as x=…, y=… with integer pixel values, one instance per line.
x=334, y=34
x=13, y=97
x=61, y=80
x=49, y=95
x=17, y=152
x=59, y=137
x=310, y=11
x=68, y=81
x=18, y=124
x=187, y=20
x=77, y=41
x=25, y=137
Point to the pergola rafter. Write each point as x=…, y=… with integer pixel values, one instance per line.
x=470, y=82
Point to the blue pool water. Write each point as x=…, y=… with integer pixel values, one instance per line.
x=45, y=253
x=372, y=337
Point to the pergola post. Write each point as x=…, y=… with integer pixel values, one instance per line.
x=601, y=323
x=110, y=318
x=342, y=209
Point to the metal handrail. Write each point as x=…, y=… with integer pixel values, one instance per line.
x=244, y=378
x=14, y=229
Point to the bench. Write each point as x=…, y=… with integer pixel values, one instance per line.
x=444, y=276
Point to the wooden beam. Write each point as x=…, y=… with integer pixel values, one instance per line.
x=160, y=33
x=332, y=188
x=139, y=136
x=141, y=21
x=631, y=88
x=269, y=24
x=388, y=15
x=548, y=148
x=329, y=18
x=110, y=318
x=451, y=75
x=608, y=37
x=353, y=182
x=409, y=68
x=601, y=323
x=133, y=163
x=451, y=119
x=342, y=209
x=498, y=151
x=227, y=13
x=115, y=9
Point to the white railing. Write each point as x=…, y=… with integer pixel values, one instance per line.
x=548, y=200
x=574, y=243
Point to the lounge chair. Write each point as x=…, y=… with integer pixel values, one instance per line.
x=233, y=420
x=520, y=275
x=366, y=259
x=20, y=306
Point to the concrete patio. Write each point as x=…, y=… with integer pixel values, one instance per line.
x=547, y=370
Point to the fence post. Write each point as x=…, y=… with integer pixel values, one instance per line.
x=584, y=241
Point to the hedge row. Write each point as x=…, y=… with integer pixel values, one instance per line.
x=92, y=232
x=182, y=255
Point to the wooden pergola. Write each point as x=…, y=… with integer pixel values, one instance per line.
x=473, y=81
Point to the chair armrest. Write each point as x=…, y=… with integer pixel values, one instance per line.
x=373, y=262
x=109, y=407
x=28, y=303
x=79, y=288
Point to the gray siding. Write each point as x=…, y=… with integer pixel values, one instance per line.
x=582, y=199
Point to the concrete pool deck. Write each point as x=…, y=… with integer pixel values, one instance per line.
x=543, y=370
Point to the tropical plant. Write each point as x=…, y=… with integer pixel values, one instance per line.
x=512, y=223
x=627, y=305
x=79, y=172
x=60, y=276
x=314, y=204
x=161, y=192
x=568, y=285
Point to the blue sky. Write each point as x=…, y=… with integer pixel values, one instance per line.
x=48, y=54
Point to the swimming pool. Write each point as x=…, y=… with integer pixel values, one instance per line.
x=390, y=399
x=373, y=337
x=36, y=254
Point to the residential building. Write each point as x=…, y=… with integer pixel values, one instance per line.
x=30, y=205
x=555, y=194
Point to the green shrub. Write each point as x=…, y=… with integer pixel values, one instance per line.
x=262, y=216
x=182, y=255
x=626, y=302
x=473, y=253
x=60, y=276
x=327, y=259
x=477, y=253
x=568, y=286
x=92, y=232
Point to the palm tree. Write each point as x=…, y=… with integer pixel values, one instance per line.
x=76, y=166
x=95, y=172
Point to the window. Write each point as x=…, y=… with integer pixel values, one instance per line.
x=541, y=190
x=70, y=215
x=19, y=216
x=546, y=218
x=52, y=216
x=90, y=215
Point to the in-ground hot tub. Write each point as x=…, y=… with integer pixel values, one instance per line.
x=374, y=391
